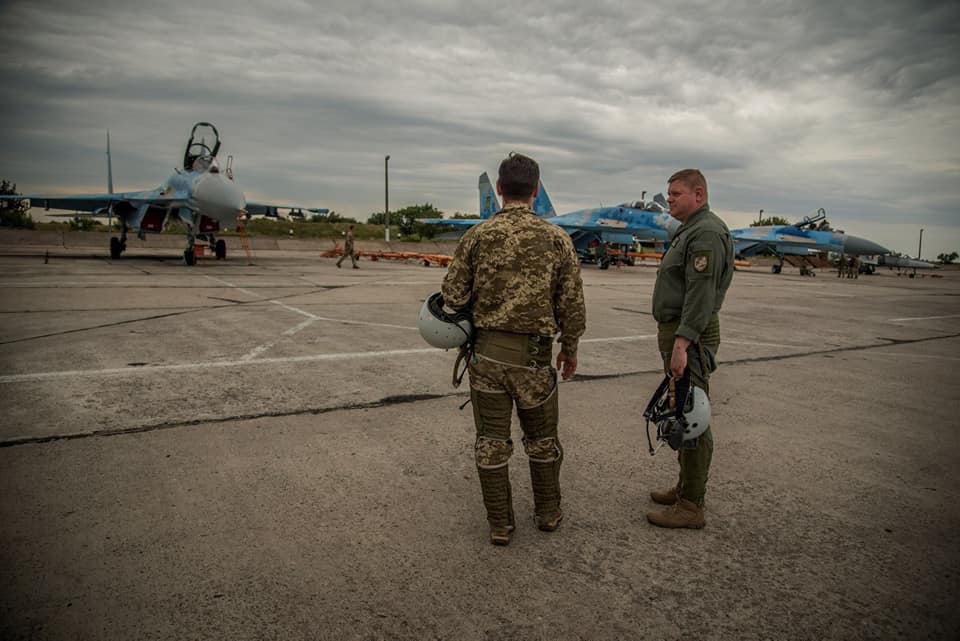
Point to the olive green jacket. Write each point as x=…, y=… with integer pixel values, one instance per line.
x=694, y=274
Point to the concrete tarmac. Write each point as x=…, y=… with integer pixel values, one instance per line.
x=270, y=451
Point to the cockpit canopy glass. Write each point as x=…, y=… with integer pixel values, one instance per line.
x=202, y=147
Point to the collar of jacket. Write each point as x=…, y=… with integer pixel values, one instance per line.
x=694, y=217
x=515, y=209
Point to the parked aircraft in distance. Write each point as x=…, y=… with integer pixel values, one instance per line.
x=618, y=225
x=901, y=263
x=198, y=196
x=811, y=233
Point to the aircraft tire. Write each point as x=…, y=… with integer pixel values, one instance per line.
x=115, y=248
x=221, y=249
x=775, y=269
x=189, y=258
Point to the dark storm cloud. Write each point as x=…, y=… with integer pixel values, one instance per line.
x=787, y=105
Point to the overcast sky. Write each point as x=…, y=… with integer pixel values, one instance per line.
x=785, y=106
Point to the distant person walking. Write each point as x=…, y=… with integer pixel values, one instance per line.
x=841, y=266
x=692, y=281
x=348, y=248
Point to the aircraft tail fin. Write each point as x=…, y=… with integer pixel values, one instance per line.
x=542, y=205
x=489, y=205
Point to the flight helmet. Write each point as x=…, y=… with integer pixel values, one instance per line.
x=685, y=419
x=443, y=328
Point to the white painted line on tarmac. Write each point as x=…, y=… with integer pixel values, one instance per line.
x=920, y=318
x=40, y=376
x=244, y=361
x=618, y=339
x=239, y=289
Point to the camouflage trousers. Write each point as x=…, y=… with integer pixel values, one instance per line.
x=694, y=456
x=494, y=389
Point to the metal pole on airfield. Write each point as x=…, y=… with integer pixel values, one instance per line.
x=386, y=195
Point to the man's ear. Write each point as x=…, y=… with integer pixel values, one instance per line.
x=536, y=190
x=499, y=191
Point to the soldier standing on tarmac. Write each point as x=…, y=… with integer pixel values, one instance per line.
x=520, y=277
x=692, y=281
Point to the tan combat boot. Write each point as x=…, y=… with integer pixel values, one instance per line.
x=549, y=522
x=501, y=534
x=666, y=497
x=683, y=513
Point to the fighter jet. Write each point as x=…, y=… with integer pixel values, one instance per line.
x=618, y=225
x=811, y=233
x=199, y=196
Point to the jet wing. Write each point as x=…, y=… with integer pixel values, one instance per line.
x=271, y=210
x=96, y=203
x=454, y=222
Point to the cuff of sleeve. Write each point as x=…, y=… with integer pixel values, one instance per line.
x=688, y=332
x=568, y=347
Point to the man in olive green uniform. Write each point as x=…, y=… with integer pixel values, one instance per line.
x=348, y=248
x=692, y=281
x=520, y=277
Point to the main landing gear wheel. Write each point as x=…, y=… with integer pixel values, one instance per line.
x=116, y=248
x=189, y=258
x=776, y=268
x=221, y=249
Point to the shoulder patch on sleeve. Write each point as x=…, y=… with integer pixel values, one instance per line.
x=702, y=260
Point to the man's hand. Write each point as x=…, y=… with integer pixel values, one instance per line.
x=678, y=360
x=567, y=365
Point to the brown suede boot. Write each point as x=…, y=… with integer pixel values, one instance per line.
x=549, y=522
x=683, y=513
x=666, y=497
x=501, y=534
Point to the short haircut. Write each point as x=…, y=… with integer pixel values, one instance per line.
x=519, y=176
x=692, y=178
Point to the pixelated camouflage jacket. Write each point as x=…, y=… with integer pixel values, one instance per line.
x=348, y=243
x=518, y=273
x=694, y=274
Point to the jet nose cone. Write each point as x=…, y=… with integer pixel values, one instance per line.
x=862, y=246
x=219, y=193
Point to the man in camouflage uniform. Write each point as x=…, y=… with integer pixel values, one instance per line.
x=520, y=277
x=348, y=248
x=692, y=281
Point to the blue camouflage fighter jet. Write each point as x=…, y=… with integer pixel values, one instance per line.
x=200, y=197
x=618, y=225
x=810, y=234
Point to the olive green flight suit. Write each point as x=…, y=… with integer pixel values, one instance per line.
x=692, y=281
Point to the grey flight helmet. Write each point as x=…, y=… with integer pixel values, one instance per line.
x=443, y=328
x=683, y=419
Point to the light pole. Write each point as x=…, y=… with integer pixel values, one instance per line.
x=920, y=248
x=386, y=194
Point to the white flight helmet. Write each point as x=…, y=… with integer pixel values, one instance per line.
x=688, y=419
x=442, y=328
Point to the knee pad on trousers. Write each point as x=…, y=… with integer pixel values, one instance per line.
x=543, y=450
x=492, y=413
x=493, y=453
x=540, y=422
